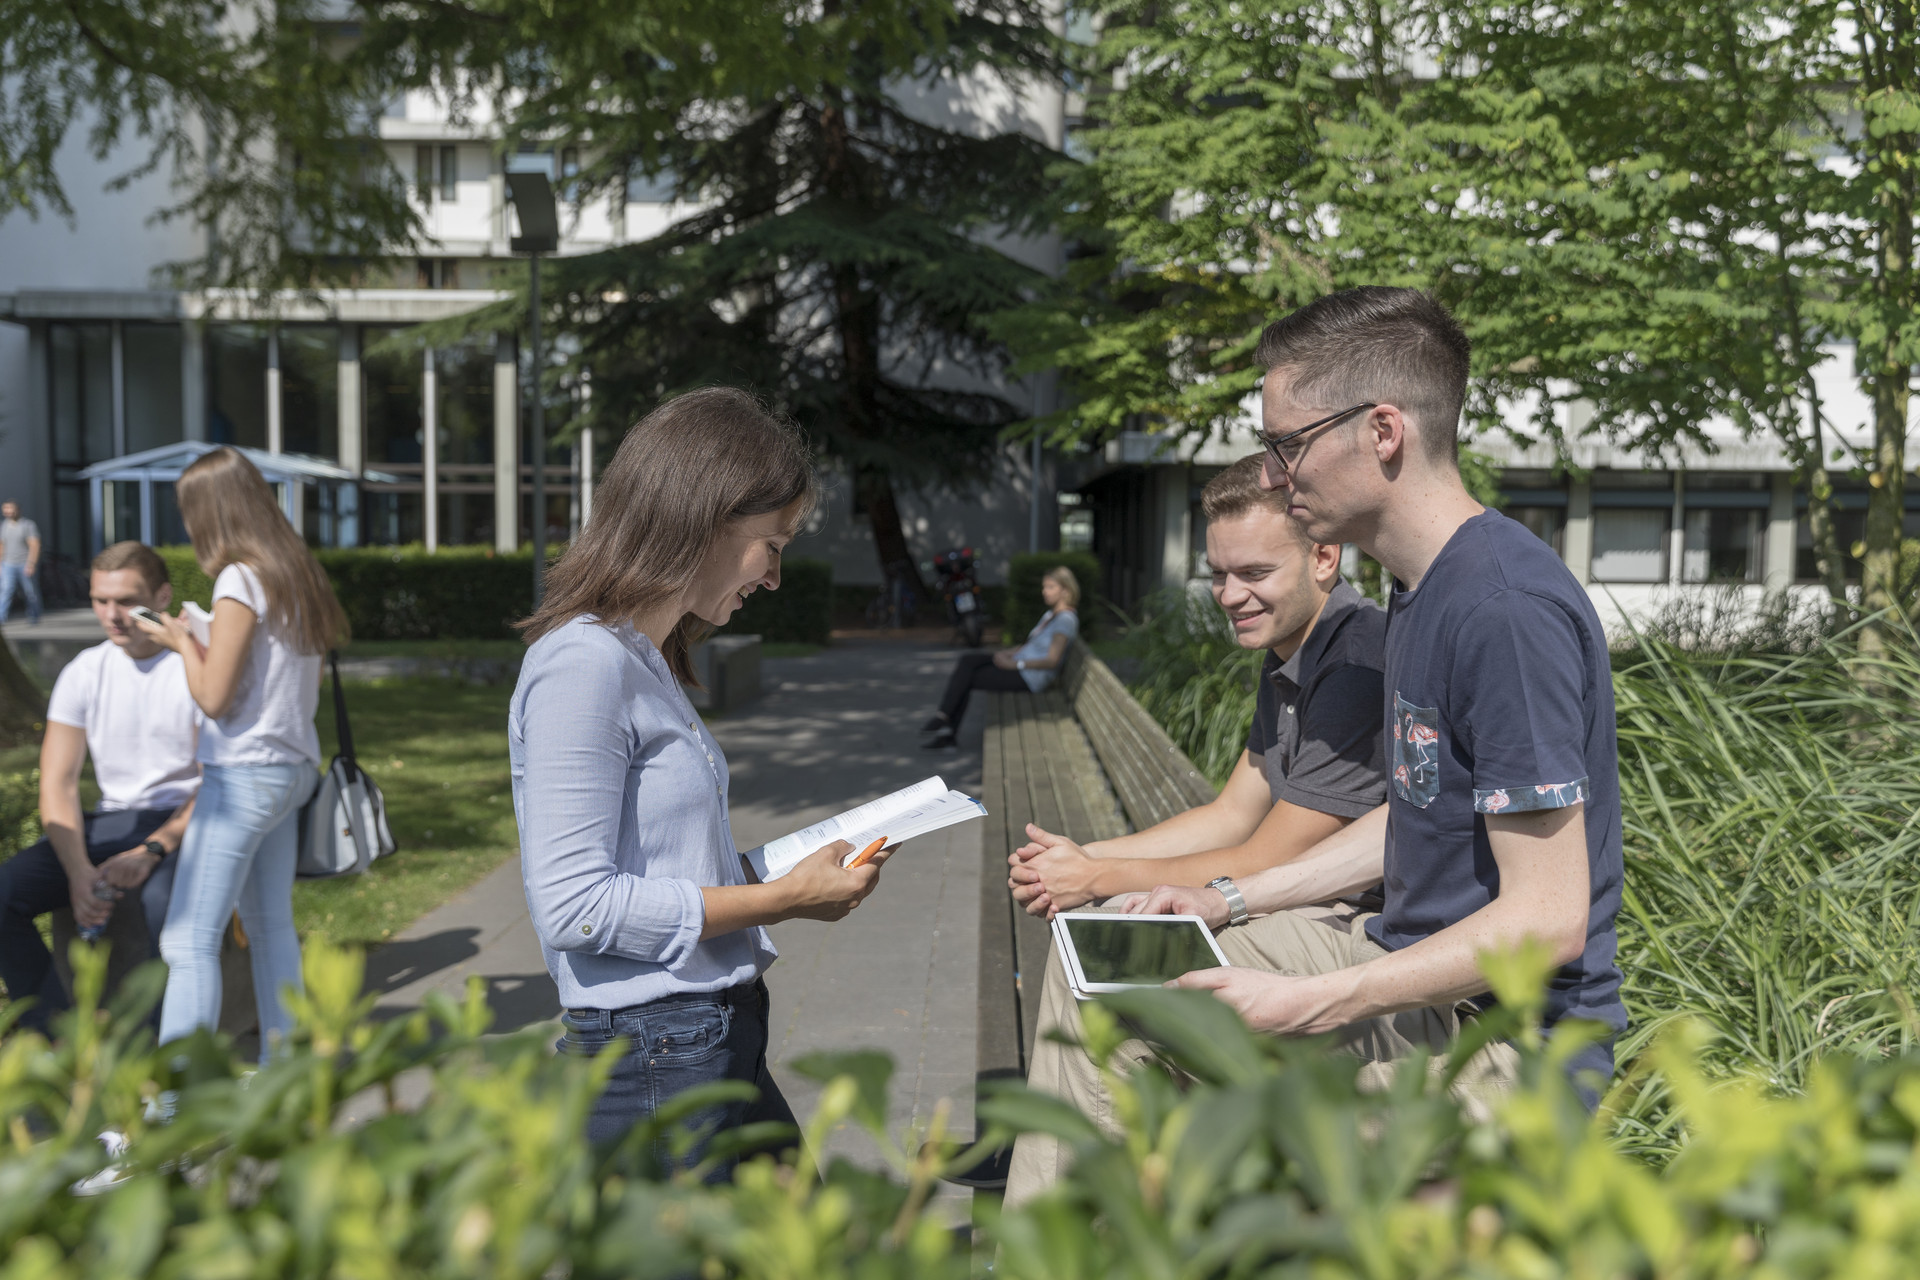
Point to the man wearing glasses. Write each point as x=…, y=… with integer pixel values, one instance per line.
x=1502, y=819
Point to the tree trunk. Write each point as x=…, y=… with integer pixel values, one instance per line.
x=1890, y=71
x=875, y=488
x=857, y=322
x=23, y=709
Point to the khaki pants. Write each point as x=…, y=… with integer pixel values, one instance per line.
x=1310, y=941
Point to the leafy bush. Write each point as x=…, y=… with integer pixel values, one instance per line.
x=1195, y=679
x=1773, y=859
x=312, y=1167
x=801, y=611
x=402, y=593
x=1023, y=606
x=1772, y=855
x=1265, y=1159
x=19, y=811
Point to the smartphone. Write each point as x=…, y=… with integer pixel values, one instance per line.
x=145, y=614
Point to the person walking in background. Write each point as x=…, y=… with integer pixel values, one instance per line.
x=652, y=924
x=125, y=703
x=1025, y=667
x=258, y=681
x=19, y=561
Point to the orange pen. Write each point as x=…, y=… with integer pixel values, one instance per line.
x=867, y=853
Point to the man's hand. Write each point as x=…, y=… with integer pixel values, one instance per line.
x=1028, y=892
x=88, y=911
x=1004, y=660
x=1272, y=1002
x=1063, y=870
x=1180, y=900
x=128, y=869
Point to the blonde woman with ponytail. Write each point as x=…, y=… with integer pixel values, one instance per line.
x=258, y=681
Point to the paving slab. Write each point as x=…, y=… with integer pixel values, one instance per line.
x=833, y=730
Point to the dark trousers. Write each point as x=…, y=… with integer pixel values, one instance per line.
x=976, y=671
x=674, y=1044
x=32, y=883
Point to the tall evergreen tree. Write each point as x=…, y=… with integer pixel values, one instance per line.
x=847, y=203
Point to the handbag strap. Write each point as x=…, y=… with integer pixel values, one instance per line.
x=342, y=730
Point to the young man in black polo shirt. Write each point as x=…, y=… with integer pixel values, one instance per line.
x=1316, y=756
x=1503, y=820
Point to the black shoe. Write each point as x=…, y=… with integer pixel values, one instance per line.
x=938, y=741
x=935, y=725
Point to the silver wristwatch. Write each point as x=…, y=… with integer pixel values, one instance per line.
x=1236, y=904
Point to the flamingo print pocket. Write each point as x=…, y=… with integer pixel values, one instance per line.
x=1416, y=752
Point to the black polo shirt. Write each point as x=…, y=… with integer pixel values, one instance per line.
x=1317, y=724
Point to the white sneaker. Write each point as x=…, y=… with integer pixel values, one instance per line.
x=114, y=1174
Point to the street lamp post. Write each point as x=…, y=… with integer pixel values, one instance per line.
x=532, y=194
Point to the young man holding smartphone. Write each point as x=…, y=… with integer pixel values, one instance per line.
x=124, y=702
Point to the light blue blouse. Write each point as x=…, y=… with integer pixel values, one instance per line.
x=1040, y=643
x=621, y=795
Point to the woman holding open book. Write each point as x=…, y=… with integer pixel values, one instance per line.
x=651, y=924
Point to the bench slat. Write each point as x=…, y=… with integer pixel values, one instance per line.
x=997, y=1046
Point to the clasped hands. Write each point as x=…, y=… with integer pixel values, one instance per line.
x=1051, y=874
x=123, y=872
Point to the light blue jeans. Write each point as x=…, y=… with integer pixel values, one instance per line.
x=14, y=579
x=240, y=849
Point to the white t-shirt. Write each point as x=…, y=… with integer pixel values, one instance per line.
x=141, y=724
x=270, y=720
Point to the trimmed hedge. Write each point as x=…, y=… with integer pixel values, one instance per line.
x=474, y=593
x=1024, y=572
x=402, y=593
x=800, y=612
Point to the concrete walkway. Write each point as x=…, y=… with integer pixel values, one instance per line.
x=898, y=975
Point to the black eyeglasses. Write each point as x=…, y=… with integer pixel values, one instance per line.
x=1283, y=449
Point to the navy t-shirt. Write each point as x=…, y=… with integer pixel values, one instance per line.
x=1500, y=699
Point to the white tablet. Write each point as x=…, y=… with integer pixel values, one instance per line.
x=1105, y=952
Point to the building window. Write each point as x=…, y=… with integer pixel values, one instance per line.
x=1549, y=524
x=1723, y=545
x=449, y=173
x=1630, y=544
x=237, y=385
x=423, y=183
x=1076, y=523
x=152, y=356
x=391, y=402
x=1849, y=527
x=310, y=390
x=82, y=390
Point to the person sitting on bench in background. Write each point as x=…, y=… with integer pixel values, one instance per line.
x=1316, y=756
x=125, y=703
x=1028, y=667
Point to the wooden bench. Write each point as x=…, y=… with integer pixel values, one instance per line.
x=1082, y=759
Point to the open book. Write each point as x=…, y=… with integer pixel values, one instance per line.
x=915, y=811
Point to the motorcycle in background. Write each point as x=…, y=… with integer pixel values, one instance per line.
x=961, y=590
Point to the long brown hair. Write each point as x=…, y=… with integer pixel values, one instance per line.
x=232, y=518
x=694, y=465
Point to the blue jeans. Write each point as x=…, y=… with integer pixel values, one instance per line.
x=239, y=851
x=14, y=577
x=674, y=1044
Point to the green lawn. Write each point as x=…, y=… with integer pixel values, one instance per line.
x=434, y=649
x=438, y=749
